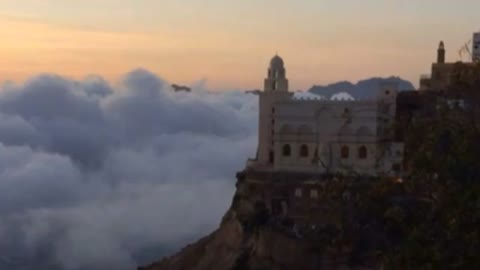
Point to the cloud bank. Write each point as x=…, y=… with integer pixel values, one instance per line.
x=96, y=176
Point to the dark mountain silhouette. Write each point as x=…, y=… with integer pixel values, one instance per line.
x=364, y=89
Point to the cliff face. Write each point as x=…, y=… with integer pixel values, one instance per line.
x=327, y=231
x=220, y=250
x=347, y=224
x=232, y=248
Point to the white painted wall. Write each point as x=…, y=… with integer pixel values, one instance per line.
x=476, y=46
x=326, y=126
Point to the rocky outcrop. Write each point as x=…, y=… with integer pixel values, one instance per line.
x=181, y=88
x=252, y=236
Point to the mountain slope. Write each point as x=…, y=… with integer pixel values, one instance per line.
x=364, y=89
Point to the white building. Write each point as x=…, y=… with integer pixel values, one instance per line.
x=325, y=136
x=476, y=46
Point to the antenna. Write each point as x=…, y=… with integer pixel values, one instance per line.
x=465, y=49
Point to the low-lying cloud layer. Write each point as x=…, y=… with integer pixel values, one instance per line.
x=95, y=176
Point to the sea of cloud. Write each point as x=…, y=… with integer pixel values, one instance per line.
x=101, y=176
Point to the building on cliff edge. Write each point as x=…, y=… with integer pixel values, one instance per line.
x=319, y=136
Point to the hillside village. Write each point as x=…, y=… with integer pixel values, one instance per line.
x=386, y=183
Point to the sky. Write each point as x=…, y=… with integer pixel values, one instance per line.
x=227, y=44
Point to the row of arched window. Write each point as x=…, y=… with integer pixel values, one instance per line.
x=313, y=193
x=362, y=151
x=303, y=150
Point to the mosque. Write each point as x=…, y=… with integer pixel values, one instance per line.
x=325, y=136
x=349, y=137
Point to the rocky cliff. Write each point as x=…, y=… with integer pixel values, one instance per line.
x=422, y=222
x=330, y=231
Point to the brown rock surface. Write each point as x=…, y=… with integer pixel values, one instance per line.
x=250, y=238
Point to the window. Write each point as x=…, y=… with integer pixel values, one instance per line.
x=298, y=192
x=362, y=152
x=304, y=151
x=287, y=150
x=345, y=152
x=314, y=194
x=397, y=167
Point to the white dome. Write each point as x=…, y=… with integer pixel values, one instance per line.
x=342, y=96
x=307, y=95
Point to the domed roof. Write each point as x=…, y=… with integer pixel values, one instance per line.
x=441, y=46
x=276, y=62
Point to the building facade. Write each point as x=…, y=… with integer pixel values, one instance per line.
x=443, y=73
x=325, y=136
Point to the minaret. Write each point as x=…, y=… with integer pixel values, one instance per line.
x=276, y=79
x=441, y=53
x=275, y=89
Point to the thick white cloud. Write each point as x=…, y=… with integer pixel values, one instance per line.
x=95, y=176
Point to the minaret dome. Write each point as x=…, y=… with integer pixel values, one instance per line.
x=277, y=77
x=441, y=46
x=276, y=62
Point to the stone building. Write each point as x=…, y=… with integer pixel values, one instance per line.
x=443, y=73
x=325, y=136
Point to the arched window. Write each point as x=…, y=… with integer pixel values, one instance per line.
x=287, y=150
x=345, y=152
x=304, y=150
x=362, y=152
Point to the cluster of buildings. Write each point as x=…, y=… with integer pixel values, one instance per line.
x=353, y=137
x=302, y=143
x=442, y=72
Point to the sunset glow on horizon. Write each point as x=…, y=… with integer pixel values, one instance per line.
x=228, y=43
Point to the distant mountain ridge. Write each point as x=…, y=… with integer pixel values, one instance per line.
x=364, y=89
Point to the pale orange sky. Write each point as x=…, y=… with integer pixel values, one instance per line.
x=230, y=44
